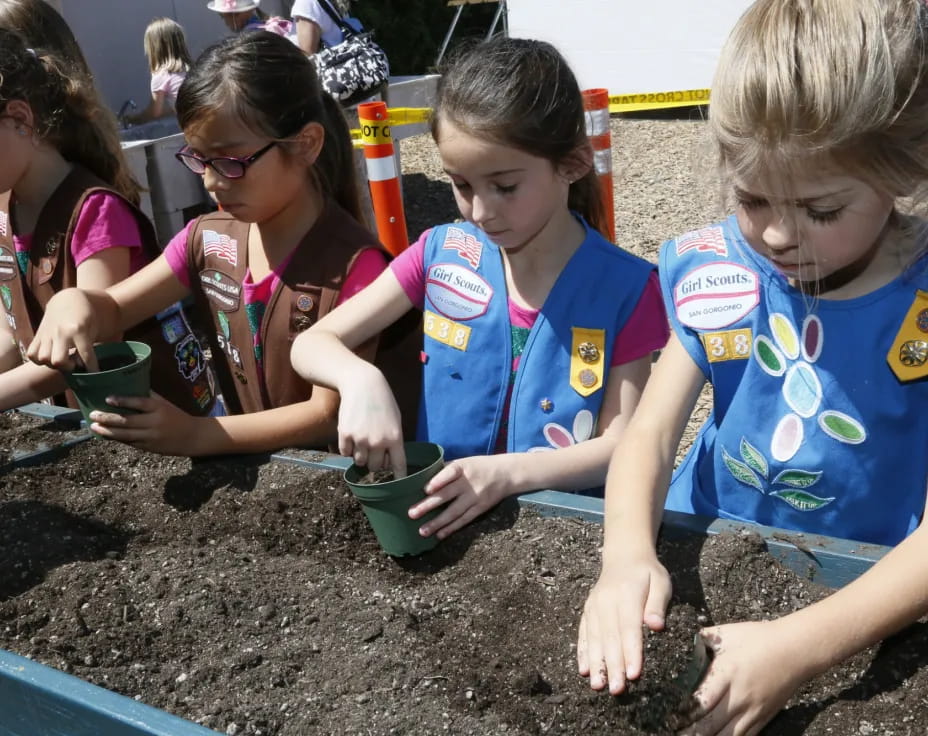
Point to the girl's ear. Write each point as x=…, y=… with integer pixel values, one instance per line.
x=577, y=164
x=21, y=114
x=311, y=139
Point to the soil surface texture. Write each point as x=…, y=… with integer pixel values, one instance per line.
x=253, y=598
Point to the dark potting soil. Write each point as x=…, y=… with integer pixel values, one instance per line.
x=253, y=598
x=22, y=434
x=375, y=477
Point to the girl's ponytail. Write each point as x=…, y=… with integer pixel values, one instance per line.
x=335, y=168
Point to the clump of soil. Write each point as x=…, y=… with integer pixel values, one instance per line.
x=253, y=598
x=375, y=477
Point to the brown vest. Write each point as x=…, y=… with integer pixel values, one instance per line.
x=217, y=252
x=51, y=268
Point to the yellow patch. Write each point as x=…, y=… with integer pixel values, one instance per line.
x=908, y=356
x=587, y=360
x=445, y=331
x=728, y=344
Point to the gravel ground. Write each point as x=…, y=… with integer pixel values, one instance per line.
x=665, y=184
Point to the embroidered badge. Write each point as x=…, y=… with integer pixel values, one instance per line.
x=45, y=265
x=587, y=359
x=907, y=356
x=445, y=331
x=7, y=264
x=464, y=244
x=221, y=289
x=304, y=302
x=11, y=321
x=457, y=292
x=727, y=345
x=7, y=297
x=173, y=329
x=189, y=358
x=716, y=295
x=704, y=240
x=4, y=225
x=202, y=395
x=223, y=321
x=221, y=246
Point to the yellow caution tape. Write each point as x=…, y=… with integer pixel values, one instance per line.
x=658, y=100
x=395, y=116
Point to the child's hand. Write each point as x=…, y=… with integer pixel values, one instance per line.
x=469, y=486
x=158, y=427
x=370, y=427
x=754, y=672
x=609, y=642
x=66, y=335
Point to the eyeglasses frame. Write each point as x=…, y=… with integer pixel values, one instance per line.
x=245, y=161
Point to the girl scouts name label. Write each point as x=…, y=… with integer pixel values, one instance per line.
x=716, y=295
x=456, y=291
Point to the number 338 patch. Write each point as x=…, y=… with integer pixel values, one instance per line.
x=449, y=333
x=728, y=344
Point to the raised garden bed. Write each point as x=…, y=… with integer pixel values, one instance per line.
x=252, y=598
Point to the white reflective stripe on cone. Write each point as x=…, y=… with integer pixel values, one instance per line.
x=381, y=169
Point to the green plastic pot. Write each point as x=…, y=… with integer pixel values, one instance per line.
x=125, y=371
x=386, y=505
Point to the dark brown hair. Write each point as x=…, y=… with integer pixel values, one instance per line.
x=57, y=84
x=521, y=93
x=273, y=89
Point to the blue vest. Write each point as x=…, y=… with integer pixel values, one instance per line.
x=468, y=352
x=811, y=430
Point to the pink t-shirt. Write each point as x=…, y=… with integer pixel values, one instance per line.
x=105, y=221
x=167, y=82
x=646, y=330
x=367, y=267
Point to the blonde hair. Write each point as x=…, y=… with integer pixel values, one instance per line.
x=166, y=46
x=825, y=83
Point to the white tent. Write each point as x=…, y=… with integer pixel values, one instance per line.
x=632, y=47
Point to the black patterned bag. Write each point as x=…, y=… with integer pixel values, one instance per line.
x=353, y=69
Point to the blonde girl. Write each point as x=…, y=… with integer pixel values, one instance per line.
x=168, y=61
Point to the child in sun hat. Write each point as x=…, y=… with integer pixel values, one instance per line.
x=245, y=15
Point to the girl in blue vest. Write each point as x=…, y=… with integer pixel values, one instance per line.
x=286, y=247
x=807, y=311
x=538, y=331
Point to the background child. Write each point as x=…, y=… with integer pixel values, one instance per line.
x=285, y=249
x=245, y=15
x=806, y=311
x=168, y=61
x=538, y=332
x=68, y=211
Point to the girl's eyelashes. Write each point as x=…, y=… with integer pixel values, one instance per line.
x=506, y=190
x=751, y=203
x=824, y=217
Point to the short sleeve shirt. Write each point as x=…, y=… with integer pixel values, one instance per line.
x=311, y=10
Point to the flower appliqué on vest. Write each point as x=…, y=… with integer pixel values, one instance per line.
x=792, y=355
x=560, y=437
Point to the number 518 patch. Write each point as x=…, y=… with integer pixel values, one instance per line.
x=445, y=331
x=728, y=344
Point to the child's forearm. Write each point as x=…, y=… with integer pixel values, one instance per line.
x=888, y=597
x=297, y=425
x=571, y=468
x=322, y=359
x=27, y=383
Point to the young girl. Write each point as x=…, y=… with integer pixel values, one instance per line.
x=538, y=332
x=285, y=249
x=68, y=212
x=807, y=312
x=245, y=15
x=168, y=60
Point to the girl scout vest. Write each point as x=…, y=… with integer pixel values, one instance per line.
x=309, y=287
x=178, y=370
x=818, y=422
x=564, y=366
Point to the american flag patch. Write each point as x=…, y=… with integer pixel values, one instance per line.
x=465, y=244
x=221, y=246
x=4, y=228
x=708, y=239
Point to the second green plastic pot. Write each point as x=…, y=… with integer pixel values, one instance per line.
x=125, y=370
x=386, y=505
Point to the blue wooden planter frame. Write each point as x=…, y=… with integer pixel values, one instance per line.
x=36, y=700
